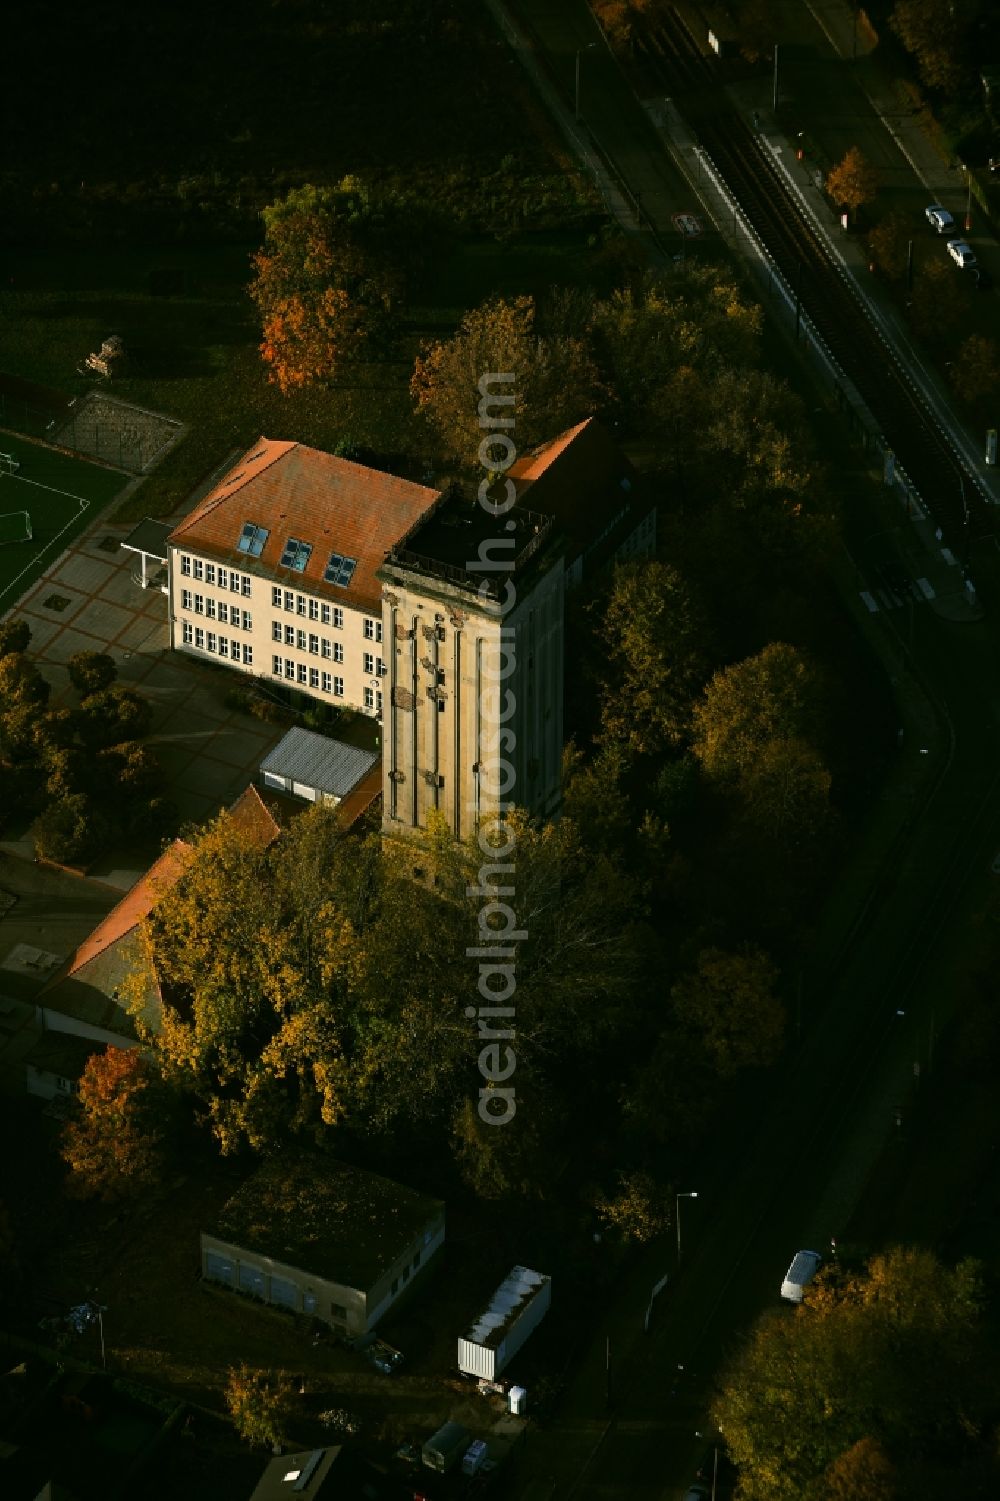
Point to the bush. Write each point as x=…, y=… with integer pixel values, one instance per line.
x=71, y=831
x=113, y=716
x=14, y=636
x=91, y=672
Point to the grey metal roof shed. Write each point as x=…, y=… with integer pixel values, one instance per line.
x=308, y=765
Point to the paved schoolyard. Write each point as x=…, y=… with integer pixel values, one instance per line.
x=87, y=601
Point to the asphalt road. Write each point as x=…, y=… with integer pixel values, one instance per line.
x=793, y=1177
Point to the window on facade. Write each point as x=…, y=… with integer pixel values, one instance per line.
x=252, y=539
x=276, y=666
x=369, y=663
x=199, y=604
x=247, y=655
x=234, y=650
x=338, y=618
x=210, y=608
x=406, y=1274
x=187, y=599
x=223, y=612
x=440, y=703
x=296, y=555
x=303, y=673
x=235, y=581
x=185, y=565
x=223, y=578
x=275, y=597
x=373, y=629
x=199, y=637
x=223, y=646
x=289, y=669
x=314, y=645
x=338, y=687
x=369, y=698
x=247, y=621
x=188, y=633
x=246, y=586
x=209, y=573
x=327, y=646
x=395, y=1286
x=324, y=613
x=416, y=1261
x=301, y=604
x=300, y=640
x=327, y=683
x=340, y=570
x=212, y=641
x=314, y=677
x=314, y=609
x=338, y=1311
x=277, y=634
x=199, y=568
x=338, y=651
x=289, y=600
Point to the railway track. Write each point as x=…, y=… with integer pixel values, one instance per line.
x=826, y=293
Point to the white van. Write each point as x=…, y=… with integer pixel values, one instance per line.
x=805, y=1265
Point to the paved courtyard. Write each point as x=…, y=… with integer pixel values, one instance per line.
x=88, y=601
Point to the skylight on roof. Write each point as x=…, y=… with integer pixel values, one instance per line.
x=340, y=570
x=252, y=539
x=234, y=477
x=258, y=455
x=296, y=554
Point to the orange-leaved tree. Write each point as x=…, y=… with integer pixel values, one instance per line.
x=853, y=181
x=113, y=1145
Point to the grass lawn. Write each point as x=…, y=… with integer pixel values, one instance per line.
x=61, y=496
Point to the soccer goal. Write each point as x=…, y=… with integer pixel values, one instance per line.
x=8, y=464
x=15, y=526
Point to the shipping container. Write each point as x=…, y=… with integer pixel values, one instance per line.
x=444, y=1450
x=515, y=1310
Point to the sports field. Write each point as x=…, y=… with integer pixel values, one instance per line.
x=60, y=495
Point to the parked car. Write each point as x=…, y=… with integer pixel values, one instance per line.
x=939, y=218
x=805, y=1265
x=962, y=254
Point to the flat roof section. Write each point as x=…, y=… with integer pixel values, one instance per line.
x=149, y=537
x=317, y=761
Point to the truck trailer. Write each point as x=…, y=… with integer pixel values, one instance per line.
x=514, y=1311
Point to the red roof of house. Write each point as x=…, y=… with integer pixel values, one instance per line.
x=296, y=492
x=130, y=911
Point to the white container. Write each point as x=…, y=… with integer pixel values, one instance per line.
x=517, y=1399
x=515, y=1311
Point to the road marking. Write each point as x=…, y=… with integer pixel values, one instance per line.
x=873, y=607
x=949, y=557
x=925, y=588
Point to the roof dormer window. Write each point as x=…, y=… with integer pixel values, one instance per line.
x=252, y=539
x=296, y=555
x=340, y=570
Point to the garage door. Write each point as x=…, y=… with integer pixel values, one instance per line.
x=219, y=1268
x=251, y=1280
x=284, y=1293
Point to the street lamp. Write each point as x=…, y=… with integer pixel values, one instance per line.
x=579, y=50
x=677, y=1216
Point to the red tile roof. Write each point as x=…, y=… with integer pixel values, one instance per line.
x=130, y=911
x=294, y=491
x=251, y=814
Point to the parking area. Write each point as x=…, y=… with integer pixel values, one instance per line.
x=87, y=600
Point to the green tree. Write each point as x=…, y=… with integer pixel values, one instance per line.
x=896, y=1355
x=259, y=1403
x=555, y=381
x=15, y=636
x=71, y=831
x=91, y=672
x=853, y=181
x=113, y=1145
x=730, y=1005
x=774, y=695
x=786, y=791
x=653, y=634
x=862, y=1473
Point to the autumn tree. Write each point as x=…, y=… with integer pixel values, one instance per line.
x=891, y=1361
x=729, y=1002
x=786, y=791
x=888, y=243
x=638, y=1210
x=937, y=301
x=934, y=33
x=331, y=272
x=71, y=830
x=554, y=380
x=113, y=1145
x=259, y=1403
x=853, y=181
x=976, y=372
x=653, y=633
x=91, y=672
x=112, y=716
x=15, y=636
x=774, y=695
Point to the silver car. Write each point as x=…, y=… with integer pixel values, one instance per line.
x=962, y=254
x=939, y=218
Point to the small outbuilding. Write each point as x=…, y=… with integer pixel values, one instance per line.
x=315, y=768
x=444, y=1449
x=325, y=1239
